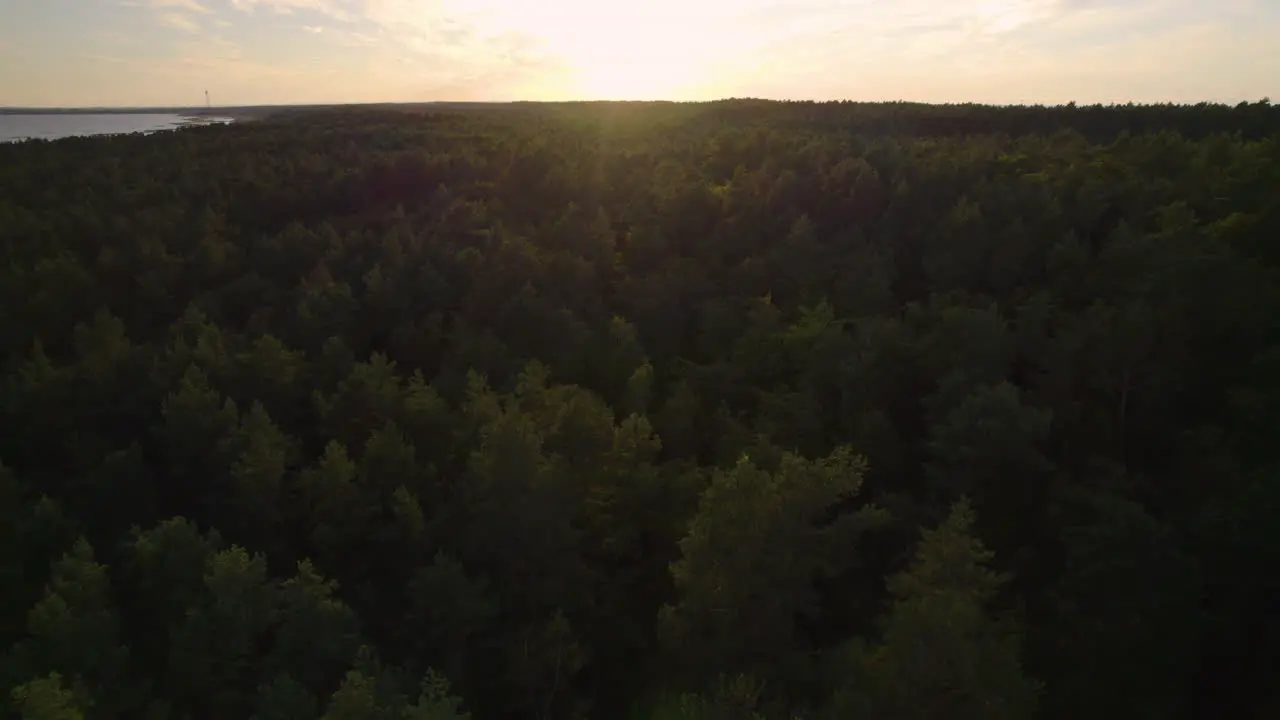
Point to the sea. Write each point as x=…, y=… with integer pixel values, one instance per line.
x=14, y=127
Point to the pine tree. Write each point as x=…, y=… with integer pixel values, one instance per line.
x=751, y=556
x=74, y=631
x=941, y=656
x=46, y=699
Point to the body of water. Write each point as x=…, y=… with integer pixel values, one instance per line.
x=60, y=125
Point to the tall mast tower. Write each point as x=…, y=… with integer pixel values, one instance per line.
x=206, y=100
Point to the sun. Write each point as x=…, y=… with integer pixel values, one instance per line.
x=655, y=63
x=609, y=51
x=603, y=78
x=601, y=50
x=647, y=62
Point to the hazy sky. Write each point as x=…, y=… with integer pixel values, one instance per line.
x=168, y=52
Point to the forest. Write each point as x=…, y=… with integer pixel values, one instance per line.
x=740, y=410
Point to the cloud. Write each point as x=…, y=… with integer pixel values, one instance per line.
x=703, y=39
x=214, y=47
x=178, y=21
x=1022, y=51
x=344, y=10
x=176, y=14
x=943, y=50
x=356, y=39
x=944, y=35
x=447, y=42
x=183, y=5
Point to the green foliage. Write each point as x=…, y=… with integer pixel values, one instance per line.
x=284, y=699
x=435, y=702
x=940, y=654
x=754, y=549
x=1114, y=547
x=46, y=699
x=74, y=630
x=730, y=698
x=215, y=650
x=591, y=407
x=315, y=634
x=357, y=699
x=257, y=479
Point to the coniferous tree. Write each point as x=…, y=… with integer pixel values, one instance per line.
x=941, y=654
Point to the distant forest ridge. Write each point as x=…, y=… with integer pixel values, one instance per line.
x=1251, y=119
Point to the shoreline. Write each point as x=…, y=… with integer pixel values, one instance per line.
x=169, y=122
x=234, y=114
x=198, y=120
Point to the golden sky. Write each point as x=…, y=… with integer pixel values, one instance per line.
x=168, y=52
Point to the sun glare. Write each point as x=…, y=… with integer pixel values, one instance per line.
x=649, y=60
x=659, y=50
x=618, y=81
x=628, y=76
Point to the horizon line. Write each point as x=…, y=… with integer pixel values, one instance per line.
x=206, y=109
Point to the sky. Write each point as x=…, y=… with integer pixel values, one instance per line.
x=95, y=53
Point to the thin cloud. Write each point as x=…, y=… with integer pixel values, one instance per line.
x=937, y=50
x=178, y=21
x=359, y=39
x=183, y=5
x=343, y=36
x=343, y=10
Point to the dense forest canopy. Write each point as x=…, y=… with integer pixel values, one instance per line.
x=726, y=410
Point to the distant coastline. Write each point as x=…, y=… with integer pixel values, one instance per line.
x=248, y=113
x=194, y=115
x=21, y=126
